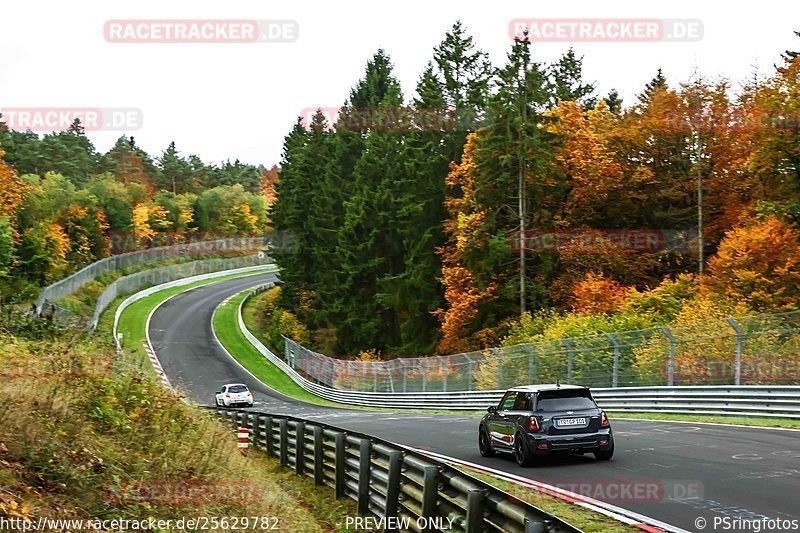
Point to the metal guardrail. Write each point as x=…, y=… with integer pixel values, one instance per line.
x=54, y=293
x=744, y=400
x=159, y=275
x=751, y=350
x=389, y=480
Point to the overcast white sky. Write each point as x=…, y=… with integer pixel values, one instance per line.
x=228, y=101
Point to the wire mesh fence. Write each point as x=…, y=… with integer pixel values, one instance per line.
x=156, y=276
x=52, y=294
x=753, y=350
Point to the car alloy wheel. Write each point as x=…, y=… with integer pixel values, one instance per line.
x=484, y=444
x=521, y=452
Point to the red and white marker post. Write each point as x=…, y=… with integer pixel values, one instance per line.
x=243, y=439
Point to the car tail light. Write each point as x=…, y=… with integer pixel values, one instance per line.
x=534, y=425
x=227, y=395
x=248, y=393
x=603, y=419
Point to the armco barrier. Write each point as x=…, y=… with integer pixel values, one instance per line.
x=164, y=274
x=391, y=481
x=181, y=282
x=752, y=400
x=59, y=290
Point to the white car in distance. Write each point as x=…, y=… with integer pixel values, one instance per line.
x=234, y=394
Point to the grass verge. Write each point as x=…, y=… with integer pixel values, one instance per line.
x=133, y=321
x=579, y=517
x=85, y=434
x=226, y=327
x=737, y=420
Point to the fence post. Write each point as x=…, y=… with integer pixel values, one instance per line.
x=424, y=363
x=364, y=465
x=393, y=483
x=374, y=377
x=319, y=456
x=445, y=370
x=299, y=447
x=430, y=492
x=499, y=367
x=739, y=339
x=340, y=444
x=615, y=371
x=671, y=360
x=363, y=387
x=284, y=441
x=530, y=351
x=475, y=508
x=404, y=370
x=469, y=374
x=570, y=352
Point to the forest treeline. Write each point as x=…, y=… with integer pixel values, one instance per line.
x=63, y=205
x=408, y=236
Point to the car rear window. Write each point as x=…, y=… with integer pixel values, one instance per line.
x=237, y=388
x=564, y=401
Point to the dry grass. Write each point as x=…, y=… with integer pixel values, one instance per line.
x=72, y=440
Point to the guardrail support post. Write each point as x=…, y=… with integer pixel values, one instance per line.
x=615, y=371
x=340, y=443
x=364, y=465
x=534, y=526
x=430, y=491
x=671, y=360
x=570, y=354
x=739, y=338
x=299, y=448
x=475, y=510
x=319, y=456
x=284, y=443
x=268, y=435
x=393, y=483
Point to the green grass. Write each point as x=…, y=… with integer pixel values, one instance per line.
x=579, y=517
x=226, y=327
x=740, y=420
x=133, y=321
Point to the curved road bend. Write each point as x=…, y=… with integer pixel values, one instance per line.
x=728, y=472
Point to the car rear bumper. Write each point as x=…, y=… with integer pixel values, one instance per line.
x=541, y=444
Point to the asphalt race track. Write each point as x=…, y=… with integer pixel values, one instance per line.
x=697, y=470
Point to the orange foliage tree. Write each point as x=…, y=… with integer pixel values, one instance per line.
x=597, y=294
x=758, y=265
x=12, y=189
x=463, y=292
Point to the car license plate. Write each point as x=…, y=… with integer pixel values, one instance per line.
x=571, y=422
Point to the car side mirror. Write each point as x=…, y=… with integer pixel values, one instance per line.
x=491, y=409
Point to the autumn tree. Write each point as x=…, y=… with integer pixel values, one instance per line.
x=596, y=294
x=759, y=265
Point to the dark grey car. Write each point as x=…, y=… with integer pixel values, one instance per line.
x=537, y=420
